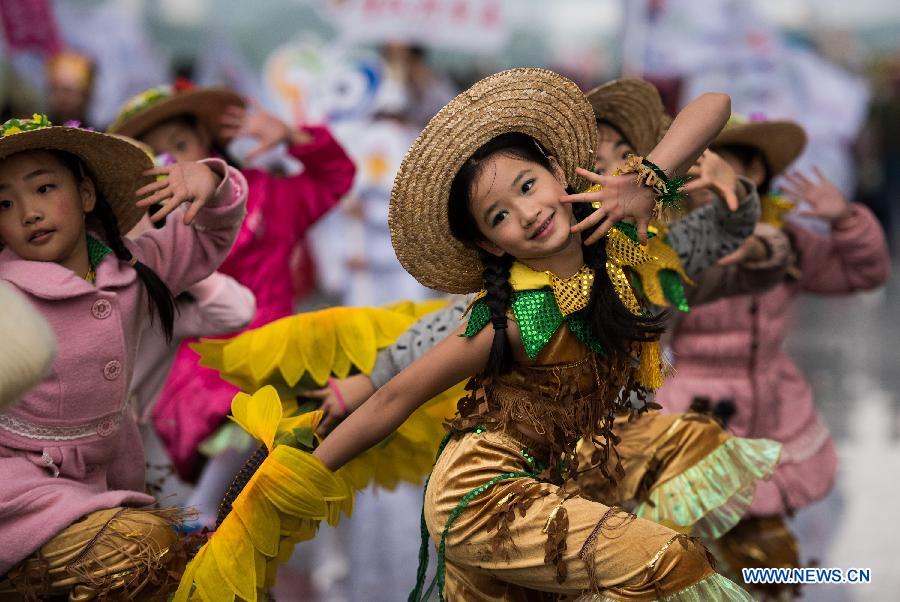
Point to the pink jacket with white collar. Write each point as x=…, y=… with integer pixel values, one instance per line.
x=71, y=446
x=732, y=349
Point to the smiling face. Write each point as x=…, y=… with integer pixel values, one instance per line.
x=42, y=209
x=179, y=138
x=612, y=150
x=515, y=205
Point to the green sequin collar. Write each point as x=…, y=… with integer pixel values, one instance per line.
x=538, y=317
x=96, y=251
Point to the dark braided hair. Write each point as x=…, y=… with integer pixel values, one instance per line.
x=615, y=327
x=159, y=297
x=499, y=298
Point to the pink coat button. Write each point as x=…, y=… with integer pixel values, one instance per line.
x=101, y=309
x=112, y=370
x=106, y=427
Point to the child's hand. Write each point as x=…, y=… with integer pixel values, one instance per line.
x=189, y=182
x=712, y=172
x=620, y=198
x=268, y=129
x=827, y=201
x=340, y=398
x=751, y=250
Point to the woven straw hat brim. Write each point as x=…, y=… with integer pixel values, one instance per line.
x=115, y=166
x=781, y=142
x=207, y=105
x=635, y=108
x=536, y=102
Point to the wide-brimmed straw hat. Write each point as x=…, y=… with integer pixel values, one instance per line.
x=115, y=166
x=780, y=142
x=635, y=108
x=537, y=102
x=156, y=105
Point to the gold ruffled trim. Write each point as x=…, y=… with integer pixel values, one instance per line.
x=714, y=587
x=711, y=497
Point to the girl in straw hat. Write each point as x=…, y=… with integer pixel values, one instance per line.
x=192, y=124
x=730, y=352
x=630, y=120
x=553, y=349
x=70, y=454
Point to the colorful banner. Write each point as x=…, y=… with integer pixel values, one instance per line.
x=729, y=46
x=30, y=26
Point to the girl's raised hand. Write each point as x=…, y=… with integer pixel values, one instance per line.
x=189, y=182
x=712, y=172
x=620, y=198
x=340, y=398
x=269, y=130
x=827, y=201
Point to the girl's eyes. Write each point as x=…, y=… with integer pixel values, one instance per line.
x=499, y=217
x=626, y=155
x=527, y=185
x=5, y=204
x=45, y=188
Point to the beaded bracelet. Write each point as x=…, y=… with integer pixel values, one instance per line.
x=668, y=190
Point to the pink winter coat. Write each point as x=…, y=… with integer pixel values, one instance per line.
x=71, y=446
x=732, y=350
x=280, y=210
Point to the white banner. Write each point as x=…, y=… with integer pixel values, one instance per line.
x=470, y=25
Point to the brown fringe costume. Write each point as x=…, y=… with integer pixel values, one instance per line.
x=529, y=537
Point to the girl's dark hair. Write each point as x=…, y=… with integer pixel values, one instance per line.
x=159, y=297
x=746, y=154
x=615, y=128
x=613, y=324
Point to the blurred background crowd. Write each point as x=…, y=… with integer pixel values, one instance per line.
x=376, y=70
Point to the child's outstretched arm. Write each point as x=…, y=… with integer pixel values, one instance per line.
x=716, y=229
x=693, y=129
x=189, y=249
x=452, y=360
x=327, y=170
x=345, y=395
x=855, y=257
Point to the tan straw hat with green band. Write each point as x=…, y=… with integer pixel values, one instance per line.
x=537, y=102
x=115, y=166
x=635, y=108
x=780, y=142
x=156, y=105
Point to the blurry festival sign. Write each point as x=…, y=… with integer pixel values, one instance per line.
x=313, y=83
x=728, y=46
x=30, y=26
x=469, y=25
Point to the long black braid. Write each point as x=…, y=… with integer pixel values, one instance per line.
x=499, y=297
x=159, y=297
